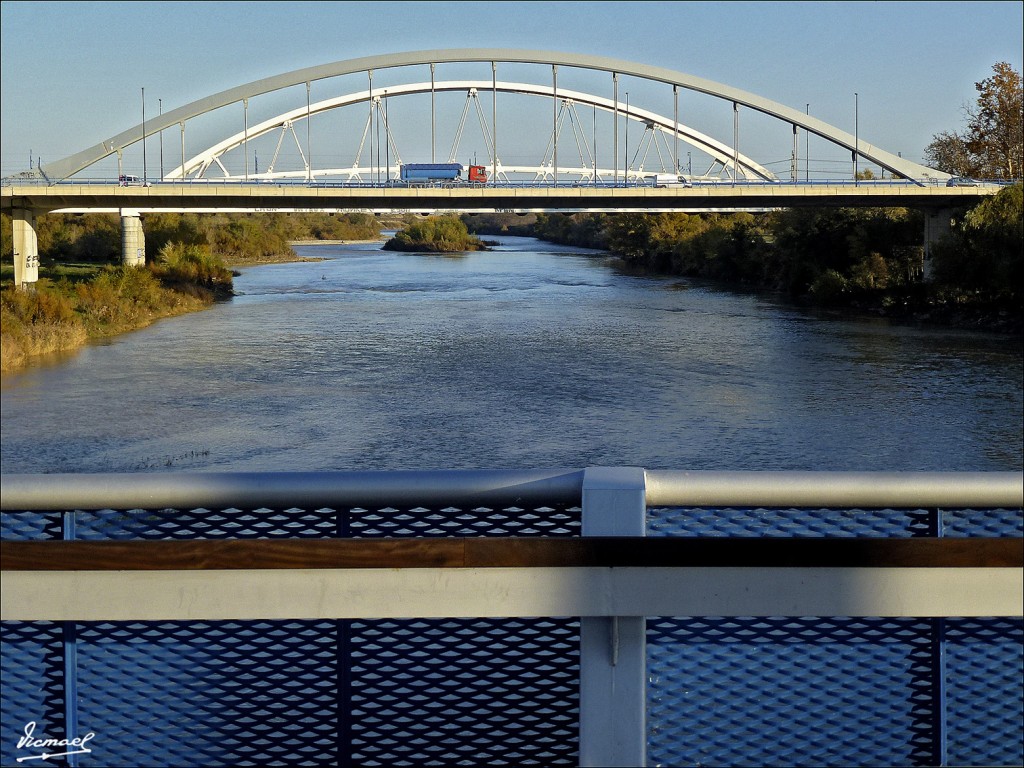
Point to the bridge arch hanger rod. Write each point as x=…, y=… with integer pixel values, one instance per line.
x=898, y=166
x=722, y=153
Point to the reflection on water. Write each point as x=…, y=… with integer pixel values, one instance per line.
x=531, y=355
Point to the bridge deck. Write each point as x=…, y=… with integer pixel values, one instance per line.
x=287, y=197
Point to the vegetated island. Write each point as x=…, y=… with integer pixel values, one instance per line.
x=437, y=234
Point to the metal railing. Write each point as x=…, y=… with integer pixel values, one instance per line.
x=22, y=492
x=611, y=578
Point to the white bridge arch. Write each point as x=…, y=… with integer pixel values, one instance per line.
x=722, y=154
x=898, y=166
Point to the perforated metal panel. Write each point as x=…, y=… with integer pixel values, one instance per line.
x=984, y=667
x=31, y=682
x=473, y=692
x=834, y=691
x=168, y=524
x=680, y=521
x=210, y=693
x=982, y=523
x=30, y=526
x=814, y=692
x=303, y=693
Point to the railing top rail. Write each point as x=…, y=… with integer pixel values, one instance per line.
x=28, y=492
x=276, y=490
x=835, y=489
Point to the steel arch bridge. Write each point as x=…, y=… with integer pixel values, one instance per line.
x=661, y=134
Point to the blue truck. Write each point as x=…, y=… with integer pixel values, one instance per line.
x=433, y=173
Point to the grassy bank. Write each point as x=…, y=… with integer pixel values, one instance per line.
x=73, y=304
x=81, y=295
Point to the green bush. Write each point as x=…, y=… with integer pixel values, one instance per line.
x=36, y=322
x=830, y=287
x=178, y=263
x=34, y=307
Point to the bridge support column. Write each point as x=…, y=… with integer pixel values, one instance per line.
x=133, y=239
x=937, y=224
x=26, y=248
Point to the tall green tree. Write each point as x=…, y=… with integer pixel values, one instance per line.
x=983, y=259
x=992, y=145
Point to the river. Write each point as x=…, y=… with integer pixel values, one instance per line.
x=528, y=356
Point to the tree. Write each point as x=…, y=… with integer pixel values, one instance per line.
x=984, y=257
x=948, y=152
x=992, y=146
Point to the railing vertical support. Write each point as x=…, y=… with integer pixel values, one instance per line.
x=70, y=643
x=613, y=654
x=941, y=755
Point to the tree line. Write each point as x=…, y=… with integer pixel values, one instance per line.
x=867, y=258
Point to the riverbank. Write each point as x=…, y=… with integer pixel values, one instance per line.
x=866, y=261
x=59, y=318
x=58, y=314
x=49, y=320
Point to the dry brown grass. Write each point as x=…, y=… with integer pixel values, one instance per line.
x=62, y=317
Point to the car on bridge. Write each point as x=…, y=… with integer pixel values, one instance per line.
x=961, y=181
x=132, y=181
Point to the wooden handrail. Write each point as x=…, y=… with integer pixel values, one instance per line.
x=609, y=552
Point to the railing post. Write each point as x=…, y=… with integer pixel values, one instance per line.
x=613, y=655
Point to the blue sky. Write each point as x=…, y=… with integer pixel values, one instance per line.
x=72, y=73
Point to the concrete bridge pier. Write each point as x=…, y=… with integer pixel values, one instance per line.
x=26, y=247
x=938, y=222
x=133, y=239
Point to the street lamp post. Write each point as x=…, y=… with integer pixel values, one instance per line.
x=856, y=136
x=554, y=124
x=245, y=136
x=160, y=102
x=615, y=129
x=625, y=149
x=144, y=176
x=807, y=150
x=309, y=145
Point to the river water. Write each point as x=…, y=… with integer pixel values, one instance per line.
x=529, y=356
